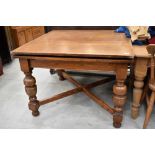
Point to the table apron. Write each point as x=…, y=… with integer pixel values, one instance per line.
x=77, y=64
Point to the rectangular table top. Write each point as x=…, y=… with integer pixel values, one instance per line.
x=78, y=43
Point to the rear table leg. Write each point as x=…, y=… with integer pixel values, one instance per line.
x=61, y=77
x=52, y=71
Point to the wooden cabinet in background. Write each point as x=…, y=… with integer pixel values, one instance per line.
x=24, y=34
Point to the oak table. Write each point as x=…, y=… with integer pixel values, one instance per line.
x=82, y=50
x=141, y=64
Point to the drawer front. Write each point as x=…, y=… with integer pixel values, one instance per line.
x=21, y=38
x=28, y=35
x=37, y=31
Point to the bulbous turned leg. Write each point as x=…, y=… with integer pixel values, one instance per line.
x=59, y=72
x=31, y=90
x=119, y=97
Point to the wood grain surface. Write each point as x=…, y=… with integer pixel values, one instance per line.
x=79, y=43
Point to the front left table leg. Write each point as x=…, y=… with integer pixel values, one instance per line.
x=119, y=97
x=30, y=86
x=31, y=90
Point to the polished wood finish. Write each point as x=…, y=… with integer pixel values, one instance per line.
x=30, y=87
x=82, y=51
x=76, y=43
x=119, y=90
x=24, y=34
x=140, y=51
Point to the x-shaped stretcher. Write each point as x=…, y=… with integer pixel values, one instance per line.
x=81, y=88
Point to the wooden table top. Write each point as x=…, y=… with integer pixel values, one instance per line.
x=140, y=51
x=78, y=43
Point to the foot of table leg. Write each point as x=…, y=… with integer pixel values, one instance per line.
x=119, y=97
x=35, y=113
x=61, y=78
x=31, y=90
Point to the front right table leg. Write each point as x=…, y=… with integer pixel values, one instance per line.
x=140, y=73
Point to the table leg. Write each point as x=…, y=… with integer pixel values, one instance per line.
x=30, y=86
x=140, y=73
x=52, y=71
x=59, y=72
x=31, y=90
x=119, y=97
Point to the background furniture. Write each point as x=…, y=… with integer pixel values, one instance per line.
x=50, y=28
x=24, y=34
x=4, y=48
